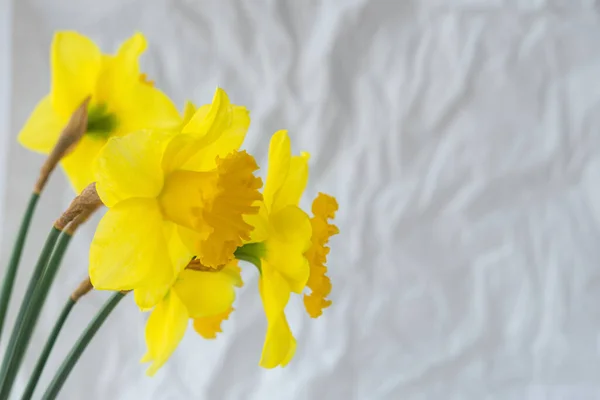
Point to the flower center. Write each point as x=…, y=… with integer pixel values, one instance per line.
x=212, y=204
x=101, y=122
x=185, y=194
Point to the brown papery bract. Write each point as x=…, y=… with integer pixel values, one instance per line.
x=84, y=288
x=80, y=209
x=68, y=139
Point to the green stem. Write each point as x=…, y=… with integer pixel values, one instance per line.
x=13, y=265
x=252, y=253
x=31, y=310
x=35, y=276
x=251, y=259
x=39, y=367
x=71, y=359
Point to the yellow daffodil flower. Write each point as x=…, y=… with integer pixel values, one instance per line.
x=122, y=101
x=281, y=237
x=200, y=294
x=288, y=247
x=172, y=196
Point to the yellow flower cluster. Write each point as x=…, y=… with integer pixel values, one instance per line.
x=184, y=204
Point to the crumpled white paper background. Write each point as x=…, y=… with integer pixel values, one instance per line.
x=462, y=140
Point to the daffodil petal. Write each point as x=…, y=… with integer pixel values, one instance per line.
x=291, y=349
x=148, y=296
x=197, y=121
x=180, y=253
x=259, y=223
x=120, y=73
x=233, y=270
x=42, y=129
x=205, y=293
x=229, y=141
x=78, y=164
x=204, y=127
x=289, y=240
x=209, y=122
x=179, y=149
x=212, y=131
x=149, y=107
x=130, y=166
x=279, y=165
x=295, y=182
x=323, y=208
x=128, y=57
x=208, y=327
x=188, y=112
x=280, y=344
x=129, y=249
x=164, y=330
x=76, y=63
x=274, y=291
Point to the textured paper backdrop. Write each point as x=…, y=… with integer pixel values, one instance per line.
x=462, y=139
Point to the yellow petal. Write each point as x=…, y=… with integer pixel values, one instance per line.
x=179, y=149
x=324, y=208
x=42, y=129
x=259, y=223
x=290, y=238
x=206, y=126
x=130, y=166
x=148, y=296
x=79, y=164
x=230, y=140
x=164, y=330
x=234, y=272
x=148, y=108
x=208, y=123
x=76, y=63
x=129, y=249
x=197, y=121
x=279, y=165
x=205, y=293
x=208, y=327
x=295, y=182
x=180, y=253
x=188, y=112
x=291, y=349
x=274, y=291
x=280, y=344
x=121, y=73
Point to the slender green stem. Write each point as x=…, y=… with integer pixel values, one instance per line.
x=22, y=332
x=73, y=356
x=13, y=265
x=39, y=366
x=35, y=276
